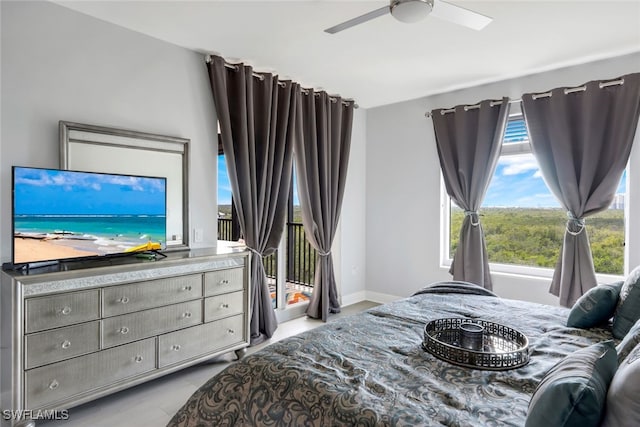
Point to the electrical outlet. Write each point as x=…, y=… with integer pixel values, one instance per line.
x=198, y=235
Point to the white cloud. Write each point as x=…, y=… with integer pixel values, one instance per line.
x=125, y=181
x=518, y=183
x=516, y=165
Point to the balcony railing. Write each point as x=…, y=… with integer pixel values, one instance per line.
x=271, y=265
x=301, y=256
x=225, y=229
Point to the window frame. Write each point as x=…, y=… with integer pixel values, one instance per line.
x=515, y=148
x=282, y=309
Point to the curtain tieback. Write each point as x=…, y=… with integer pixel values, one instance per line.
x=475, y=217
x=323, y=254
x=254, y=251
x=577, y=222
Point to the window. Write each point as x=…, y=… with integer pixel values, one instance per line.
x=224, y=199
x=301, y=256
x=524, y=223
x=228, y=226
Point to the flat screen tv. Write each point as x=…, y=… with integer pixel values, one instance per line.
x=63, y=215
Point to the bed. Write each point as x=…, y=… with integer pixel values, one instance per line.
x=370, y=369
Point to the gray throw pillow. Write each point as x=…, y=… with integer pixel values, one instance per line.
x=623, y=405
x=595, y=307
x=574, y=391
x=628, y=310
x=630, y=341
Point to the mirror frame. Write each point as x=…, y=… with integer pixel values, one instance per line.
x=152, y=146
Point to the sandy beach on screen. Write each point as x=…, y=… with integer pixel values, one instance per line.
x=32, y=250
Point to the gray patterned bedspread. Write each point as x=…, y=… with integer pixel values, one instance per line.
x=369, y=369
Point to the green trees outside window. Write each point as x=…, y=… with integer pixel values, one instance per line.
x=533, y=237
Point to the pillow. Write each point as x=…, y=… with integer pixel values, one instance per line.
x=595, y=307
x=623, y=405
x=631, y=340
x=628, y=310
x=574, y=391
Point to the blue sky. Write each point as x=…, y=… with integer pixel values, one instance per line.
x=54, y=192
x=518, y=182
x=224, y=187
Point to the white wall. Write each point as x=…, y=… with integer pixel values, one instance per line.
x=403, y=186
x=350, y=240
x=58, y=64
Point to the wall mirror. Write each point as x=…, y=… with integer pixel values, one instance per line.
x=102, y=149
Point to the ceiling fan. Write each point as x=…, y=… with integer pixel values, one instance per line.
x=416, y=10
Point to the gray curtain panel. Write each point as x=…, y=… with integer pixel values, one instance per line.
x=322, y=155
x=469, y=141
x=582, y=141
x=256, y=117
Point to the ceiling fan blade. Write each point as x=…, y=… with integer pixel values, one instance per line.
x=460, y=15
x=359, y=20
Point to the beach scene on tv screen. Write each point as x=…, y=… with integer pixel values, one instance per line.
x=65, y=214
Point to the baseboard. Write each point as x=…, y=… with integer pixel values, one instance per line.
x=381, y=298
x=357, y=297
x=353, y=298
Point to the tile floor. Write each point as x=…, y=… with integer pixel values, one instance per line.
x=153, y=404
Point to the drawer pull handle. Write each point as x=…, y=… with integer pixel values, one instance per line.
x=66, y=344
x=224, y=282
x=124, y=300
x=66, y=310
x=186, y=315
x=186, y=288
x=224, y=305
x=138, y=359
x=231, y=331
x=124, y=330
x=54, y=385
x=175, y=347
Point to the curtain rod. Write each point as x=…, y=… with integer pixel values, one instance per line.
x=333, y=99
x=281, y=84
x=567, y=91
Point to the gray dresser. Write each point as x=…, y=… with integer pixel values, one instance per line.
x=69, y=337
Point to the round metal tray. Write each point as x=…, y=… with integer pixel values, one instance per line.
x=502, y=347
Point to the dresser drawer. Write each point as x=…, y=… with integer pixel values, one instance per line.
x=223, y=281
x=188, y=343
x=224, y=305
x=59, y=344
x=130, y=327
x=53, y=383
x=61, y=310
x=153, y=293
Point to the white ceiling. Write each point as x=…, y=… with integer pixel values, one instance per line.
x=385, y=61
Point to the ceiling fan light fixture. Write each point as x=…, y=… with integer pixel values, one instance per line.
x=410, y=11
